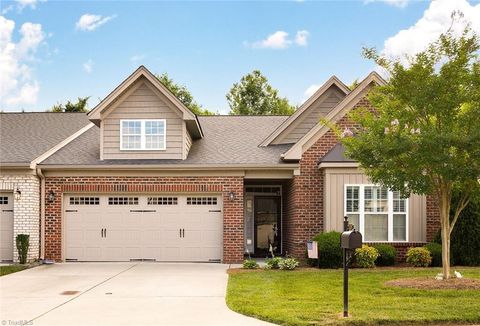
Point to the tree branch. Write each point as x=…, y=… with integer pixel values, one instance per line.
x=463, y=202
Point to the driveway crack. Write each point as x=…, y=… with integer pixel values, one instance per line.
x=82, y=293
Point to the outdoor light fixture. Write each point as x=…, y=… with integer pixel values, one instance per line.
x=231, y=196
x=18, y=194
x=51, y=196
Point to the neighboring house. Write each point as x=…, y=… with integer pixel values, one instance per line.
x=140, y=177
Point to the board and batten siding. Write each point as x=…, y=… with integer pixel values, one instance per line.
x=143, y=103
x=335, y=181
x=312, y=116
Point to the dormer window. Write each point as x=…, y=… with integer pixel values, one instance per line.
x=142, y=134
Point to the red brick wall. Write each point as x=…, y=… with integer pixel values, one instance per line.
x=232, y=210
x=402, y=248
x=433, y=218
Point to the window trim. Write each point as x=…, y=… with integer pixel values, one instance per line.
x=361, y=212
x=143, y=135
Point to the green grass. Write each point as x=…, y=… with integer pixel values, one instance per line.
x=310, y=297
x=9, y=269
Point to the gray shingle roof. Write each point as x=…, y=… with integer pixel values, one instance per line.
x=25, y=136
x=228, y=140
x=336, y=155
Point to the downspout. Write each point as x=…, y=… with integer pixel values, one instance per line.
x=42, y=213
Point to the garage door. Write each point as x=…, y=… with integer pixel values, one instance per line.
x=6, y=226
x=152, y=227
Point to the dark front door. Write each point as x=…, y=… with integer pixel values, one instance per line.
x=267, y=225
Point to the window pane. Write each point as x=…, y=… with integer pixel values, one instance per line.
x=154, y=142
x=376, y=199
x=376, y=227
x=399, y=227
x=131, y=127
x=154, y=127
x=131, y=142
x=352, y=200
x=399, y=203
x=353, y=219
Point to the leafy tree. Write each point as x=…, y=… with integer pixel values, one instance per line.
x=79, y=106
x=424, y=135
x=254, y=96
x=183, y=94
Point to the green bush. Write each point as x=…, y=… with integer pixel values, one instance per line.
x=365, y=257
x=419, y=257
x=273, y=263
x=250, y=264
x=330, y=253
x=23, y=243
x=288, y=264
x=435, y=250
x=386, y=254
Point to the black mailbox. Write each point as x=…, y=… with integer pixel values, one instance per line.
x=351, y=240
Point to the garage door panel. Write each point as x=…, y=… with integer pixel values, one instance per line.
x=151, y=237
x=92, y=254
x=133, y=253
x=6, y=226
x=171, y=254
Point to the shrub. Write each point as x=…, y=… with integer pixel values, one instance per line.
x=365, y=257
x=435, y=250
x=386, y=255
x=250, y=264
x=23, y=243
x=330, y=253
x=419, y=257
x=273, y=263
x=288, y=264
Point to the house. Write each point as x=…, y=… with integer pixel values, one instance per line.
x=140, y=177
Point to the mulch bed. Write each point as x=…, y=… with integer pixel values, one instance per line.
x=429, y=283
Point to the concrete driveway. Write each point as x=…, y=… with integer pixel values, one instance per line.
x=119, y=294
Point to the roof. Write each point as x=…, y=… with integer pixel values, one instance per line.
x=26, y=136
x=336, y=155
x=228, y=140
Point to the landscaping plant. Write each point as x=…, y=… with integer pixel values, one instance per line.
x=23, y=243
x=329, y=248
x=250, y=264
x=435, y=250
x=273, y=263
x=423, y=135
x=386, y=254
x=365, y=257
x=419, y=257
x=288, y=264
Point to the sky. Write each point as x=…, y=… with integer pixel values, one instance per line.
x=54, y=51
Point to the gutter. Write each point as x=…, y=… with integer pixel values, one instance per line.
x=177, y=167
x=42, y=213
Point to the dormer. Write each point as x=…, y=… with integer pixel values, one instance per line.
x=142, y=119
x=309, y=114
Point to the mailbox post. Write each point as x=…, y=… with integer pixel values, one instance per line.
x=350, y=240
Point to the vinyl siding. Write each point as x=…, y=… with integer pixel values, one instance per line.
x=312, y=115
x=188, y=142
x=336, y=178
x=143, y=103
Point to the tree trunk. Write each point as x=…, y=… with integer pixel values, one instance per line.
x=445, y=227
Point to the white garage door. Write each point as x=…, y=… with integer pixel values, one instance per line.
x=152, y=227
x=6, y=226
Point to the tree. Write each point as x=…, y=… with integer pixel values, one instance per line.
x=254, y=96
x=79, y=106
x=423, y=136
x=183, y=94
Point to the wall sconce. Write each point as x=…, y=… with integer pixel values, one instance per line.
x=18, y=194
x=231, y=196
x=51, y=196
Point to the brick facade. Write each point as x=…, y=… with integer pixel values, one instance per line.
x=232, y=210
x=26, y=210
x=433, y=218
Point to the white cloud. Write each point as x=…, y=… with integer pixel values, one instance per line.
x=394, y=3
x=7, y=9
x=17, y=87
x=88, y=66
x=137, y=57
x=27, y=3
x=302, y=38
x=435, y=20
x=89, y=22
x=310, y=91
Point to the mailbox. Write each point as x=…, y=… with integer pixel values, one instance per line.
x=351, y=240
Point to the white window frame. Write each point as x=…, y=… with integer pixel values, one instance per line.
x=143, y=135
x=361, y=212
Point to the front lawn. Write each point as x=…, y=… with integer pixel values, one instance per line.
x=311, y=296
x=9, y=269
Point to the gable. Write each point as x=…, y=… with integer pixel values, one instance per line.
x=310, y=117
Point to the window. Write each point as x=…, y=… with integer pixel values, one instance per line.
x=201, y=200
x=142, y=134
x=84, y=200
x=3, y=200
x=162, y=201
x=122, y=200
x=381, y=215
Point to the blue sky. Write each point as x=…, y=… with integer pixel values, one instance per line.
x=205, y=45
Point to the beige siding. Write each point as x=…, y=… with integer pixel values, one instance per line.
x=143, y=103
x=312, y=115
x=336, y=178
x=188, y=142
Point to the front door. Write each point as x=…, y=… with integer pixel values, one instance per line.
x=267, y=225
